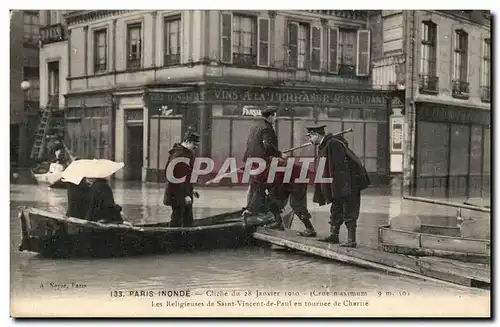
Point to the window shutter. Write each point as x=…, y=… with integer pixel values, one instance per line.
x=264, y=48
x=333, y=42
x=293, y=35
x=363, y=57
x=315, y=48
x=226, y=39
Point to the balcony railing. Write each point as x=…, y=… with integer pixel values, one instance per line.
x=485, y=94
x=389, y=73
x=244, y=59
x=428, y=84
x=52, y=33
x=347, y=70
x=460, y=90
x=348, y=14
x=171, y=59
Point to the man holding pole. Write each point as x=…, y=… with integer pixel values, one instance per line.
x=262, y=143
x=349, y=177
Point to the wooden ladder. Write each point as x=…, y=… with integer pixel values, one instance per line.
x=40, y=136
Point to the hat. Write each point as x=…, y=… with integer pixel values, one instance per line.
x=268, y=111
x=192, y=137
x=315, y=129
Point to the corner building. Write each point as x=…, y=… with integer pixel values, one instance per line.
x=438, y=63
x=138, y=80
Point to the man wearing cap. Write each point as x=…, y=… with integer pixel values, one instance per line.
x=349, y=178
x=179, y=195
x=262, y=143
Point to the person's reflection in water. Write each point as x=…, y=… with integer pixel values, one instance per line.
x=102, y=206
x=78, y=199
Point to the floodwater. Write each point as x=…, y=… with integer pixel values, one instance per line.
x=234, y=269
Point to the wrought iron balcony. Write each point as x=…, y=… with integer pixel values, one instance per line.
x=485, y=94
x=349, y=14
x=171, y=59
x=52, y=33
x=428, y=84
x=244, y=59
x=460, y=90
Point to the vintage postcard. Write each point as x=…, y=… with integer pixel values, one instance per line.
x=250, y=163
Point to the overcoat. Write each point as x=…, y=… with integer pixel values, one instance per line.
x=175, y=193
x=343, y=166
x=262, y=143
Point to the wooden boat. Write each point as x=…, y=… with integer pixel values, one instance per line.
x=55, y=235
x=439, y=241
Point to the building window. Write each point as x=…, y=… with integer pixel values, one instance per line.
x=245, y=40
x=347, y=51
x=429, y=82
x=333, y=44
x=316, y=48
x=172, y=41
x=100, y=51
x=31, y=26
x=298, y=44
x=264, y=48
x=486, y=71
x=53, y=82
x=134, y=46
x=51, y=17
x=460, y=84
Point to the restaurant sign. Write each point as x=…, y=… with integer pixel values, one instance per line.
x=257, y=95
x=297, y=97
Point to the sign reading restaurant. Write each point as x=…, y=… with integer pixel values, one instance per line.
x=268, y=95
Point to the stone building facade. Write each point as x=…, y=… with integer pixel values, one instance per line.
x=138, y=80
x=24, y=63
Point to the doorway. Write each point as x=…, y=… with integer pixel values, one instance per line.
x=134, y=152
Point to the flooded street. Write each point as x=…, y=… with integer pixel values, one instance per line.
x=232, y=269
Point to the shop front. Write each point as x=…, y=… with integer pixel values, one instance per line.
x=452, y=151
x=223, y=115
x=89, y=125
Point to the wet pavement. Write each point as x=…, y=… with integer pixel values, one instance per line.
x=251, y=267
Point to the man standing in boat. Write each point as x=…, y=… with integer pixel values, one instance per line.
x=262, y=143
x=349, y=177
x=179, y=195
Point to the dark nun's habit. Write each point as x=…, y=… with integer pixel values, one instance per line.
x=77, y=199
x=102, y=203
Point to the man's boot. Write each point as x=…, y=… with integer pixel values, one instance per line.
x=351, y=238
x=334, y=234
x=278, y=224
x=309, y=232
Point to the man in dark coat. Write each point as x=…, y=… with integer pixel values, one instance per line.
x=78, y=199
x=179, y=195
x=102, y=204
x=283, y=191
x=344, y=192
x=262, y=143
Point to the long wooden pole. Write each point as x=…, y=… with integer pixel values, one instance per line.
x=285, y=151
x=444, y=203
